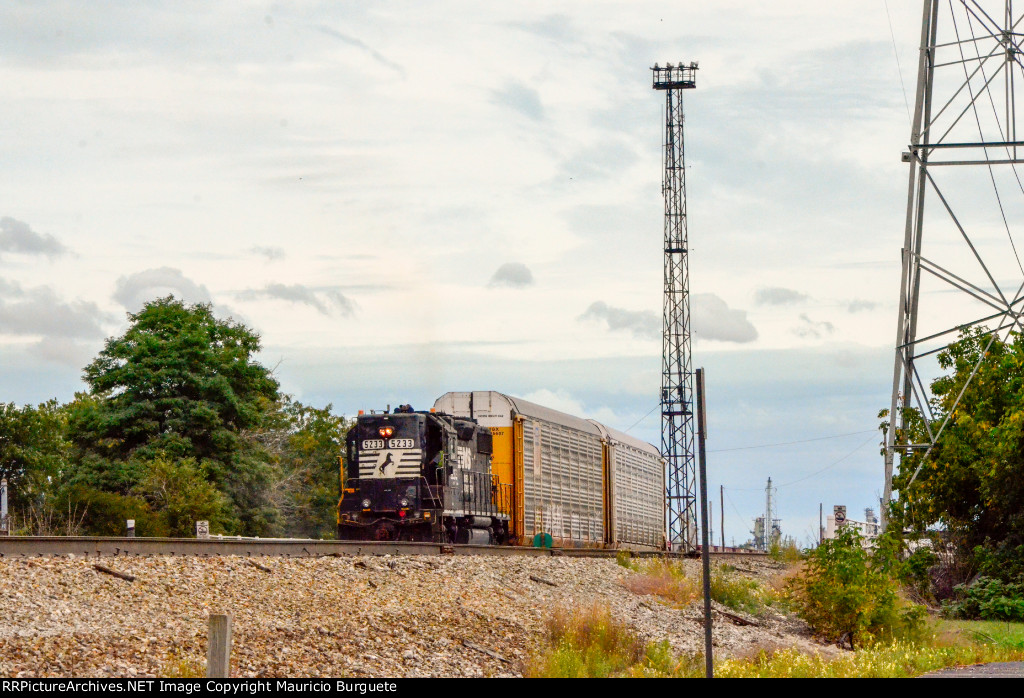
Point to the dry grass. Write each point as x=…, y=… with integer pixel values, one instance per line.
x=665, y=579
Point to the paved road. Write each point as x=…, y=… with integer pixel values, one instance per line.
x=995, y=670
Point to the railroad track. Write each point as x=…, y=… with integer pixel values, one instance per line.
x=32, y=546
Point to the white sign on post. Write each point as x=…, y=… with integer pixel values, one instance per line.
x=202, y=529
x=840, y=514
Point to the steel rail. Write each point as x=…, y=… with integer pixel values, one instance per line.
x=40, y=546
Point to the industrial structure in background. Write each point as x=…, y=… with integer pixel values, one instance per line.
x=677, y=414
x=869, y=528
x=768, y=528
x=963, y=142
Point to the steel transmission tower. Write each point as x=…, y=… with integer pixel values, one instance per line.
x=677, y=419
x=961, y=268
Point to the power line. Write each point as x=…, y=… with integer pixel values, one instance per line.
x=790, y=443
x=816, y=472
x=899, y=68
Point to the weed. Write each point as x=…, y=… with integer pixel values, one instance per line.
x=894, y=660
x=587, y=643
x=736, y=592
x=179, y=667
x=625, y=559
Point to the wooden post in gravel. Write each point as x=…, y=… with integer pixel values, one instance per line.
x=218, y=651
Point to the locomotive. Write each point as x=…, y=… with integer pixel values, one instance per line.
x=421, y=476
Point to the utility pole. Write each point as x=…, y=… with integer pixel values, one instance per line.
x=677, y=428
x=705, y=538
x=962, y=137
x=721, y=511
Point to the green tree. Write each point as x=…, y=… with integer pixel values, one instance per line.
x=971, y=484
x=308, y=445
x=34, y=458
x=179, y=494
x=178, y=384
x=179, y=380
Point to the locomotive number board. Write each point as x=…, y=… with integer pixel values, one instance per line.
x=378, y=444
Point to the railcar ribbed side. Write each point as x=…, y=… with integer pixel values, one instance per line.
x=582, y=483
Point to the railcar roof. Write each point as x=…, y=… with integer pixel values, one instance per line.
x=589, y=426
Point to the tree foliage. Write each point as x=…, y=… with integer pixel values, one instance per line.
x=179, y=381
x=32, y=448
x=180, y=423
x=971, y=484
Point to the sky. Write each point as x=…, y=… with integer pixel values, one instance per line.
x=407, y=198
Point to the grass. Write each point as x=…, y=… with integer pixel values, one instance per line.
x=659, y=577
x=896, y=660
x=591, y=643
x=993, y=632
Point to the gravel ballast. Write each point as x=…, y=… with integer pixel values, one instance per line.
x=331, y=616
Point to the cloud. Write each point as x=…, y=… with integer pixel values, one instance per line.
x=858, y=305
x=520, y=98
x=512, y=274
x=776, y=295
x=63, y=350
x=271, y=253
x=610, y=158
x=16, y=236
x=813, y=328
x=364, y=47
x=713, y=319
x=642, y=323
x=39, y=311
x=136, y=290
x=556, y=27
x=320, y=299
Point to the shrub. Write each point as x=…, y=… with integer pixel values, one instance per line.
x=988, y=599
x=845, y=594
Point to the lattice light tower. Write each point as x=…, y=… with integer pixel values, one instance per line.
x=677, y=418
x=963, y=158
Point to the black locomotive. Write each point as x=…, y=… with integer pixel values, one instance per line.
x=421, y=476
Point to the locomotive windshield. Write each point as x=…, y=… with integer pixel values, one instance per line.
x=389, y=431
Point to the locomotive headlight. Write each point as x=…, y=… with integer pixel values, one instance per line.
x=366, y=504
x=404, y=502
x=386, y=432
